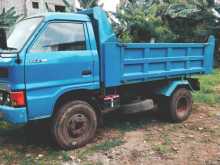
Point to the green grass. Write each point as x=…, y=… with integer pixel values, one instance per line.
x=209, y=93
x=165, y=147
x=162, y=149
x=19, y=157
x=105, y=146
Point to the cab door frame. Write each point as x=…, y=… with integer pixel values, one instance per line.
x=42, y=96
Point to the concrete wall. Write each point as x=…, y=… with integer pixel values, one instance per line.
x=20, y=5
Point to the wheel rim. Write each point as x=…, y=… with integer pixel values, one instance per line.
x=77, y=126
x=182, y=106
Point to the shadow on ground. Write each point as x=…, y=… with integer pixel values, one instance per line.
x=39, y=135
x=129, y=122
x=21, y=135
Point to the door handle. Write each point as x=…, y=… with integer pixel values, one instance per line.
x=86, y=72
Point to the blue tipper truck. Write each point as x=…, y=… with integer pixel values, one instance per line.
x=70, y=68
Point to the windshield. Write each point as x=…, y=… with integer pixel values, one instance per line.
x=21, y=32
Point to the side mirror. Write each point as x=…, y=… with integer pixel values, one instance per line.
x=3, y=39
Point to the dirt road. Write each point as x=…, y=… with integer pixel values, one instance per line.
x=197, y=141
x=130, y=140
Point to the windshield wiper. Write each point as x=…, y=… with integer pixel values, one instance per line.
x=7, y=53
x=11, y=48
x=8, y=49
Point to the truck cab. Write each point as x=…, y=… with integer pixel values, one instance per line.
x=69, y=67
x=54, y=55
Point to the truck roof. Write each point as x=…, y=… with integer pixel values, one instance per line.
x=99, y=18
x=62, y=16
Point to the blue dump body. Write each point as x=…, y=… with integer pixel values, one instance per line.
x=134, y=63
x=123, y=63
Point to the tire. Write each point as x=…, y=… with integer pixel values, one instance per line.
x=74, y=125
x=181, y=105
x=176, y=108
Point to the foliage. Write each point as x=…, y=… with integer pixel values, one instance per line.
x=69, y=7
x=8, y=17
x=166, y=20
x=140, y=23
x=88, y=3
x=209, y=92
x=83, y=4
x=192, y=20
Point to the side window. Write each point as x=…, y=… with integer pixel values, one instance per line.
x=61, y=36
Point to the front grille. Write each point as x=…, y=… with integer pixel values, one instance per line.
x=3, y=72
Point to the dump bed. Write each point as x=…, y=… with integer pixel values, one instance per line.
x=136, y=63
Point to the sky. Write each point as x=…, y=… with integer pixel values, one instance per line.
x=109, y=5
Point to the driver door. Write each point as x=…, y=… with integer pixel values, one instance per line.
x=59, y=57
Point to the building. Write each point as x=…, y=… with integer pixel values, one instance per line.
x=31, y=7
x=217, y=1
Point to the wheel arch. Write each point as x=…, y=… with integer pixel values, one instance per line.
x=89, y=96
x=167, y=90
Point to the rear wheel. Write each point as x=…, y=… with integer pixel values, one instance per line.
x=74, y=125
x=178, y=107
x=181, y=105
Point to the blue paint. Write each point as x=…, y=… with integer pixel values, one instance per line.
x=14, y=115
x=172, y=86
x=112, y=64
x=135, y=62
x=104, y=28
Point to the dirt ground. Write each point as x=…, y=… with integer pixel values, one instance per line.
x=195, y=142
x=129, y=140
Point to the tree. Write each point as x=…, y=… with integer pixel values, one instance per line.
x=88, y=3
x=192, y=20
x=69, y=7
x=83, y=4
x=139, y=21
x=7, y=19
x=166, y=20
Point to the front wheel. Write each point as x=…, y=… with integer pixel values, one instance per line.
x=178, y=107
x=74, y=125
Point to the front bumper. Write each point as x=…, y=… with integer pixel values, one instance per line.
x=13, y=115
